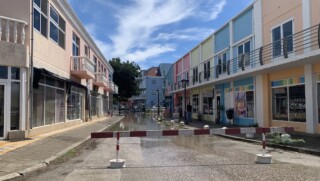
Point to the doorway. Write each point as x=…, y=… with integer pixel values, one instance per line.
x=218, y=118
x=2, y=111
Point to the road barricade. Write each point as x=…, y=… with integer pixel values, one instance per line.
x=261, y=158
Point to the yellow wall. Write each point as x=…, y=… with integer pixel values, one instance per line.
x=206, y=49
x=195, y=57
x=277, y=12
x=283, y=74
x=315, y=14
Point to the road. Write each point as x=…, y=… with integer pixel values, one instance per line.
x=180, y=158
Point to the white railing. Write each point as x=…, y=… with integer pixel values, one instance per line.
x=116, y=89
x=82, y=64
x=14, y=30
x=101, y=77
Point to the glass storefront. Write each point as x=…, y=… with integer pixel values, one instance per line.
x=74, y=102
x=195, y=103
x=288, y=103
x=207, y=103
x=48, y=102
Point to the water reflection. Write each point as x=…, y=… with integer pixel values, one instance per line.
x=138, y=122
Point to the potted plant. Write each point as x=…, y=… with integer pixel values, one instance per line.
x=200, y=116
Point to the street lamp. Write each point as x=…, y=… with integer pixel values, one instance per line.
x=158, y=91
x=184, y=83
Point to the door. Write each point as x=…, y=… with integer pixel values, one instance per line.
x=2, y=111
x=218, y=120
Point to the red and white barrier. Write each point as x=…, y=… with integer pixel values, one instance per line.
x=261, y=158
x=157, y=133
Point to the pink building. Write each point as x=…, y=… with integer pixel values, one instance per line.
x=59, y=79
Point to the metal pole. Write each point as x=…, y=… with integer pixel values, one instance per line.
x=263, y=143
x=158, y=103
x=118, y=142
x=185, y=102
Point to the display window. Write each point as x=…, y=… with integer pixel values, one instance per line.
x=288, y=100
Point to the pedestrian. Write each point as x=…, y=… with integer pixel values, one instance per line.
x=189, y=113
x=180, y=112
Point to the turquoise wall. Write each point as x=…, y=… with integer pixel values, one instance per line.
x=242, y=26
x=222, y=39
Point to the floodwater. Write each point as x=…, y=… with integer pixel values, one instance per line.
x=141, y=122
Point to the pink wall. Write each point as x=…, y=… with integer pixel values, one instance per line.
x=186, y=62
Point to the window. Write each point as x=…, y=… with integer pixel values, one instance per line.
x=195, y=103
x=57, y=28
x=74, y=102
x=48, y=102
x=244, y=49
x=222, y=63
x=280, y=32
x=244, y=104
x=40, y=17
x=95, y=63
x=87, y=51
x=207, y=103
x=318, y=89
x=206, y=67
x=75, y=45
x=288, y=103
x=15, y=105
x=195, y=75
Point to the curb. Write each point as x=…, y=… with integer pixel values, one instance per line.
x=44, y=164
x=284, y=147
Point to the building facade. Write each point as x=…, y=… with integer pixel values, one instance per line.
x=53, y=75
x=151, y=85
x=263, y=64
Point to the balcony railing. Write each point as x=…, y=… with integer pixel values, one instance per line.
x=101, y=80
x=12, y=30
x=275, y=53
x=82, y=67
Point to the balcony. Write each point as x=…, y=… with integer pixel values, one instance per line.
x=12, y=42
x=101, y=80
x=295, y=50
x=82, y=67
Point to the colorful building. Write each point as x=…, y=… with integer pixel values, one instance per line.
x=49, y=64
x=263, y=64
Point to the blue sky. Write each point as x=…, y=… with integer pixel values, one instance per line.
x=150, y=32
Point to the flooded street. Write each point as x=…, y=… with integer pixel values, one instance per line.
x=204, y=157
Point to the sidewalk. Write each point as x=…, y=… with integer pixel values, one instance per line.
x=37, y=155
x=311, y=145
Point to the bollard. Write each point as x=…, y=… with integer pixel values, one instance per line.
x=117, y=163
x=264, y=158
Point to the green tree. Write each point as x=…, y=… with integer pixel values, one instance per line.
x=124, y=76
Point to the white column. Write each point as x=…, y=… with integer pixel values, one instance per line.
x=8, y=31
x=15, y=32
x=310, y=93
x=231, y=39
x=306, y=23
x=257, y=24
x=259, y=104
x=23, y=100
x=0, y=29
x=23, y=33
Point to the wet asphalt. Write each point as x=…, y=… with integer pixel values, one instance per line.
x=177, y=158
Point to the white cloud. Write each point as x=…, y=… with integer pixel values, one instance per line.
x=211, y=10
x=154, y=51
x=138, y=22
x=189, y=34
